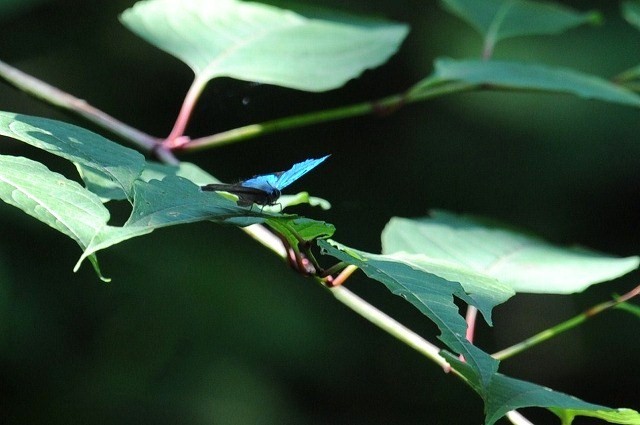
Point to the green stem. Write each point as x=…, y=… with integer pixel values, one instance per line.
x=633, y=86
x=540, y=337
x=627, y=76
x=337, y=267
x=255, y=130
x=426, y=89
x=564, y=326
x=381, y=106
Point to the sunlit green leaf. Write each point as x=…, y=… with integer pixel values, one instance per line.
x=497, y=20
x=530, y=77
x=613, y=416
x=107, y=166
x=105, y=188
x=159, y=196
x=188, y=170
x=524, y=262
x=78, y=213
x=303, y=198
x=298, y=229
x=168, y=202
x=51, y=198
x=504, y=394
x=262, y=43
x=431, y=294
x=486, y=291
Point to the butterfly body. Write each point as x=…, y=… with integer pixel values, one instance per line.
x=266, y=189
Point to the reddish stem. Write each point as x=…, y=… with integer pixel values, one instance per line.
x=176, y=138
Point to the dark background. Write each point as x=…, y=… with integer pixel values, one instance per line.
x=202, y=325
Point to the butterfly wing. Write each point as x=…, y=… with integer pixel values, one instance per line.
x=265, y=182
x=285, y=178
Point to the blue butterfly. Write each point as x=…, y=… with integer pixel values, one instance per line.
x=266, y=189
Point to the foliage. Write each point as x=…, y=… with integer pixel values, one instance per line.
x=430, y=262
x=256, y=42
x=518, y=261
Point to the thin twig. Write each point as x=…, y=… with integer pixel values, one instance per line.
x=517, y=419
x=389, y=325
x=176, y=137
x=381, y=107
x=472, y=315
x=63, y=100
x=343, y=276
x=280, y=124
x=564, y=326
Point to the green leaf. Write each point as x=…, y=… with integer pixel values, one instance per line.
x=158, y=171
x=486, y=291
x=432, y=295
x=525, y=263
x=298, y=229
x=631, y=12
x=505, y=394
x=262, y=43
x=109, y=169
x=160, y=197
x=101, y=185
x=614, y=416
x=306, y=229
x=106, y=189
x=78, y=213
x=53, y=199
x=304, y=198
x=168, y=202
x=497, y=20
x=176, y=200
x=522, y=76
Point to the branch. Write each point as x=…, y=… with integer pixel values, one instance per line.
x=63, y=100
x=389, y=325
x=564, y=326
x=176, y=137
x=382, y=106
